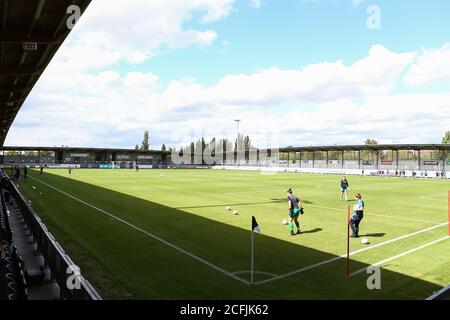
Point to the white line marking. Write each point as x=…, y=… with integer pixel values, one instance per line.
x=256, y=272
x=351, y=254
x=340, y=210
x=401, y=255
x=439, y=196
x=147, y=233
x=377, y=214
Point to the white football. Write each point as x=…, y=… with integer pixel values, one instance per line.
x=235, y=213
x=365, y=240
x=285, y=222
x=228, y=208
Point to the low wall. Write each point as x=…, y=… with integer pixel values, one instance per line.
x=339, y=171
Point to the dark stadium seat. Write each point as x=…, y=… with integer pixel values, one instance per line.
x=12, y=297
x=25, y=274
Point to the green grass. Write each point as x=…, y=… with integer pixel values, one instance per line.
x=187, y=209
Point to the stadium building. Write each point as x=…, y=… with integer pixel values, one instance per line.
x=82, y=157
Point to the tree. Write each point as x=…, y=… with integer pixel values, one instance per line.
x=136, y=148
x=446, y=138
x=371, y=141
x=163, y=148
x=145, y=146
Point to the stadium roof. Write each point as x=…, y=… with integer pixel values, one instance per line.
x=81, y=149
x=31, y=32
x=370, y=147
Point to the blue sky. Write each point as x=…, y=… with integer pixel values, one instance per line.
x=201, y=63
x=293, y=34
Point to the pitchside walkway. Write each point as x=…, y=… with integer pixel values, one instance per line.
x=30, y=277
x=33, y=266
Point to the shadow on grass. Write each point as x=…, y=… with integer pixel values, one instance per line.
x=374, y=235
x=240, y=204
x=151, y=269
x=312, y=231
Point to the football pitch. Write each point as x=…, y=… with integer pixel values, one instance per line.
x=166, y=234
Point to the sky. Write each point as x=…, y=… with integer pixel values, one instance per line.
x=296, y=72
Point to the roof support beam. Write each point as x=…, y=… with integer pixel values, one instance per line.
x=17, y=71
x=11, y=37
x=7, y=100
x=13, y=89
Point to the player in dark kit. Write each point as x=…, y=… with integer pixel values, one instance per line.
x=25, y=173
x=344, y=187
x=358, y=215
x=295, y=209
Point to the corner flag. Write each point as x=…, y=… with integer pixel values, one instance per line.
x=255, y=226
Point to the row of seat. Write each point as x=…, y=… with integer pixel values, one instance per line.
x=25, y=272
x=5, y=227
x=16, y=285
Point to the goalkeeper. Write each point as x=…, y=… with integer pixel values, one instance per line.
x=295, y=209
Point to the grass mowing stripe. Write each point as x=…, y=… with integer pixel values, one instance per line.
x=351, y=254
x=342, y=210
x=380, y=215
x=146, y=233
x=401, y=255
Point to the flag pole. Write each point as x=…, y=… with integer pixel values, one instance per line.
x=252, y=257
x=348, y=242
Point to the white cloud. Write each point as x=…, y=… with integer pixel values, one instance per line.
x=322, y=103
x=255, y=4
x=432, y=66
x=134, y=30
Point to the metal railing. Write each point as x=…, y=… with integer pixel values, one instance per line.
x=60, y=264
x=441, y=294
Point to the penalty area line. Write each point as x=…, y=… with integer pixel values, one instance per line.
x=146, y=233
x=401, y=255
x=313, y=266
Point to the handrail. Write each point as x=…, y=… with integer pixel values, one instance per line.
x=54, y=255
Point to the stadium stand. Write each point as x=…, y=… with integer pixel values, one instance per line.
x=33, y=264
x=31, y=32
x=58, y=157
x=412, y=160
